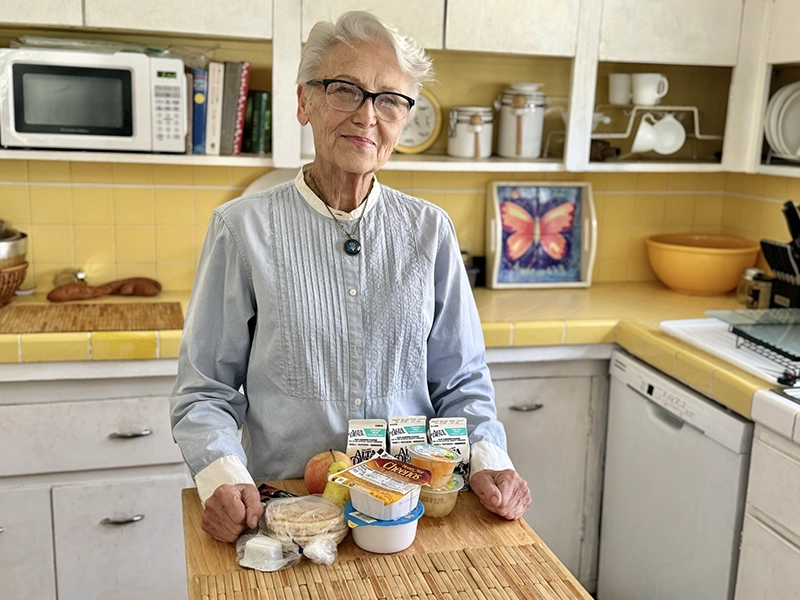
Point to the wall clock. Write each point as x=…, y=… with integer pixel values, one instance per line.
x=423, y=125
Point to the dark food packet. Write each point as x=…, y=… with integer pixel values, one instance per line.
x=269, y=492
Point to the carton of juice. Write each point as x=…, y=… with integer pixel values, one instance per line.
x=365, y=437
x=451, y=433
x=404, y=431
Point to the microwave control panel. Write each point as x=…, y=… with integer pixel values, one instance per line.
x=168, y=99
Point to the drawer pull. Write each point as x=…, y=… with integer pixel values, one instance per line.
x=133, y=519
x=2, y=529
x=526, y=407
x=131, y=434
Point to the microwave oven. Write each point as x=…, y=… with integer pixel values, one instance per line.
x=76, y=100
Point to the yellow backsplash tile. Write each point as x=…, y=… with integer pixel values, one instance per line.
x=735, y=391
x=174, y=206
x=533, y=333
x=13, y=170
x=51, y=244
x=15, y=204
x=497, y=335
x=135, y=244
x=205, y=201
x=649, y=210
x=176, y=276
x=688, y=182
x=172, y=175
x=174, y=244
x=169, y=343
x=244, y=176
x=610, y=269
x=126, y=270
x=216, y=176
x=93, y=205
x=94, y=245
x=776, y=187
x=9, y=348
x=708, y=210
x=47, y=347
x=43, y=273
x=771, y=222
x=134, y=206
x=590, y=331
x=679, y=211
x=132, y=173
x=91, y=172
x=48, y=171
x=124, y=345
x=711, y=182
x=652, y=181
x=618, y=211
x=99, y=273
x=429, y=180
x=51, y=204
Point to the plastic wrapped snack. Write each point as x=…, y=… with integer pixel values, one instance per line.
x=310, y=524
x=255, y=550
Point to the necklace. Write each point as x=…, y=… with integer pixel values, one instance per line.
x=352, y=246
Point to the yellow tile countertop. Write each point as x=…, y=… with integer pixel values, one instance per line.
x=627, y=314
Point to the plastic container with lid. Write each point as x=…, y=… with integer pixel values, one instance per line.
x=439, y=461
x=470, y=132
x=383, y=537
x=440, y=502
x=521, y=121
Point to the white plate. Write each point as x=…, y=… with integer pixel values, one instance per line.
x=772, y=123
x=789, y=124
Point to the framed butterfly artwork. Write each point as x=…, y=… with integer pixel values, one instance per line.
x=540, y=234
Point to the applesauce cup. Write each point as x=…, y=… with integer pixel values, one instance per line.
x=439, y=461
x=440, y=502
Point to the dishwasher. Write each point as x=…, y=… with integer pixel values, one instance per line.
x=673, y=489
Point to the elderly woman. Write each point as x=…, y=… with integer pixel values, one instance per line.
x=332, y=298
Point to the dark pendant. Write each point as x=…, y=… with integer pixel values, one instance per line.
x=352, y=247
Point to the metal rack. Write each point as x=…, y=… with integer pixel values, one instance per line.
x=785, y=359
x=654, y=109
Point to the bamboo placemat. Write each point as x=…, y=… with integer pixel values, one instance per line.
x=61, y=318
x=490, y=573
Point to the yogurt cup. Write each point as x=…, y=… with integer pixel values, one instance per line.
x=383, y=537
x=440, y=502
x=439, y=461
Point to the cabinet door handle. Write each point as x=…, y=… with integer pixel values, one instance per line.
x=133, y=519
x=2, y=529
x=526, y=407
x=130, y=434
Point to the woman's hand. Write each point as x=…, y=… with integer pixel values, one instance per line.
x=230, y=510
x=502, y=492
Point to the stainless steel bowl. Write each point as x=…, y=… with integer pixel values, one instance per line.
x=13, y=248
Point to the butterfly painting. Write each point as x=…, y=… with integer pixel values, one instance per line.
x=541, y=234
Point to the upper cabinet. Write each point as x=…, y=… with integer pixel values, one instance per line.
x=682, y=32
x=422, y=19
x=783, y=46
x=238, y=18
x=527, y=26
x=42, y=12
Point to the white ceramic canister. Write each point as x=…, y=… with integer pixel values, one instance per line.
x=470, y=132
x=521, y=120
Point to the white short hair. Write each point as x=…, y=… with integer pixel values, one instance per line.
x=356, y=27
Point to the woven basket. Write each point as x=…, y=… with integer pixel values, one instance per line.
x=10, y=280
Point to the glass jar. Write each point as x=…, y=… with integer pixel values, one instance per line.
x=742, y=290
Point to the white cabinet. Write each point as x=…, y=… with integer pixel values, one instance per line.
x=783, y=46
x=234, y=18
x=421, y=19
x=26, y=544
x=119, y=539
x=527, y=26
x=554, y=416
x=769, y=562
x=90, y=483
x=42, y=12
x=684, y=32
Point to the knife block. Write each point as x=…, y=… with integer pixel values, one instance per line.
x=784, y=294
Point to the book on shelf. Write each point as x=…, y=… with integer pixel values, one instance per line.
x=189, y=115
x=258, y=127
x=237, y=78
x=216, y=80
x=199, y=106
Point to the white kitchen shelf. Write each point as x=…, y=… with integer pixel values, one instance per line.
x=495, y=164
x=647, y=166
x=782, y=170
x=243, y=160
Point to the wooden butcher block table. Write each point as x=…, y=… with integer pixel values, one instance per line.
x=471, y=554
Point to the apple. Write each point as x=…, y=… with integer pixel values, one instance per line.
x=316, y=473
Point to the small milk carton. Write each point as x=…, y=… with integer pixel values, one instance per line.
x=451, y=433
x=365, y=437
x=404, y=431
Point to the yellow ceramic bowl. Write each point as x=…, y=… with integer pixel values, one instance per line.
x=700, y=264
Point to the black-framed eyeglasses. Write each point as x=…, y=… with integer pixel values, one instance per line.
x=349, y=97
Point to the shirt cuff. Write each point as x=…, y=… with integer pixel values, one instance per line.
x=228, y=469
x=485, y=455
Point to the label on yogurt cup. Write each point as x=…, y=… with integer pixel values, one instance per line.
x=451, y=433
x=365, y=437
x=404, y=431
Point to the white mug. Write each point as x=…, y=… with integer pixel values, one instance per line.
x=646, y=137
x=670, y=135
x=619, y=89
x=649, y=88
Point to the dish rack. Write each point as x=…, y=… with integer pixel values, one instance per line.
x=789, y=361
